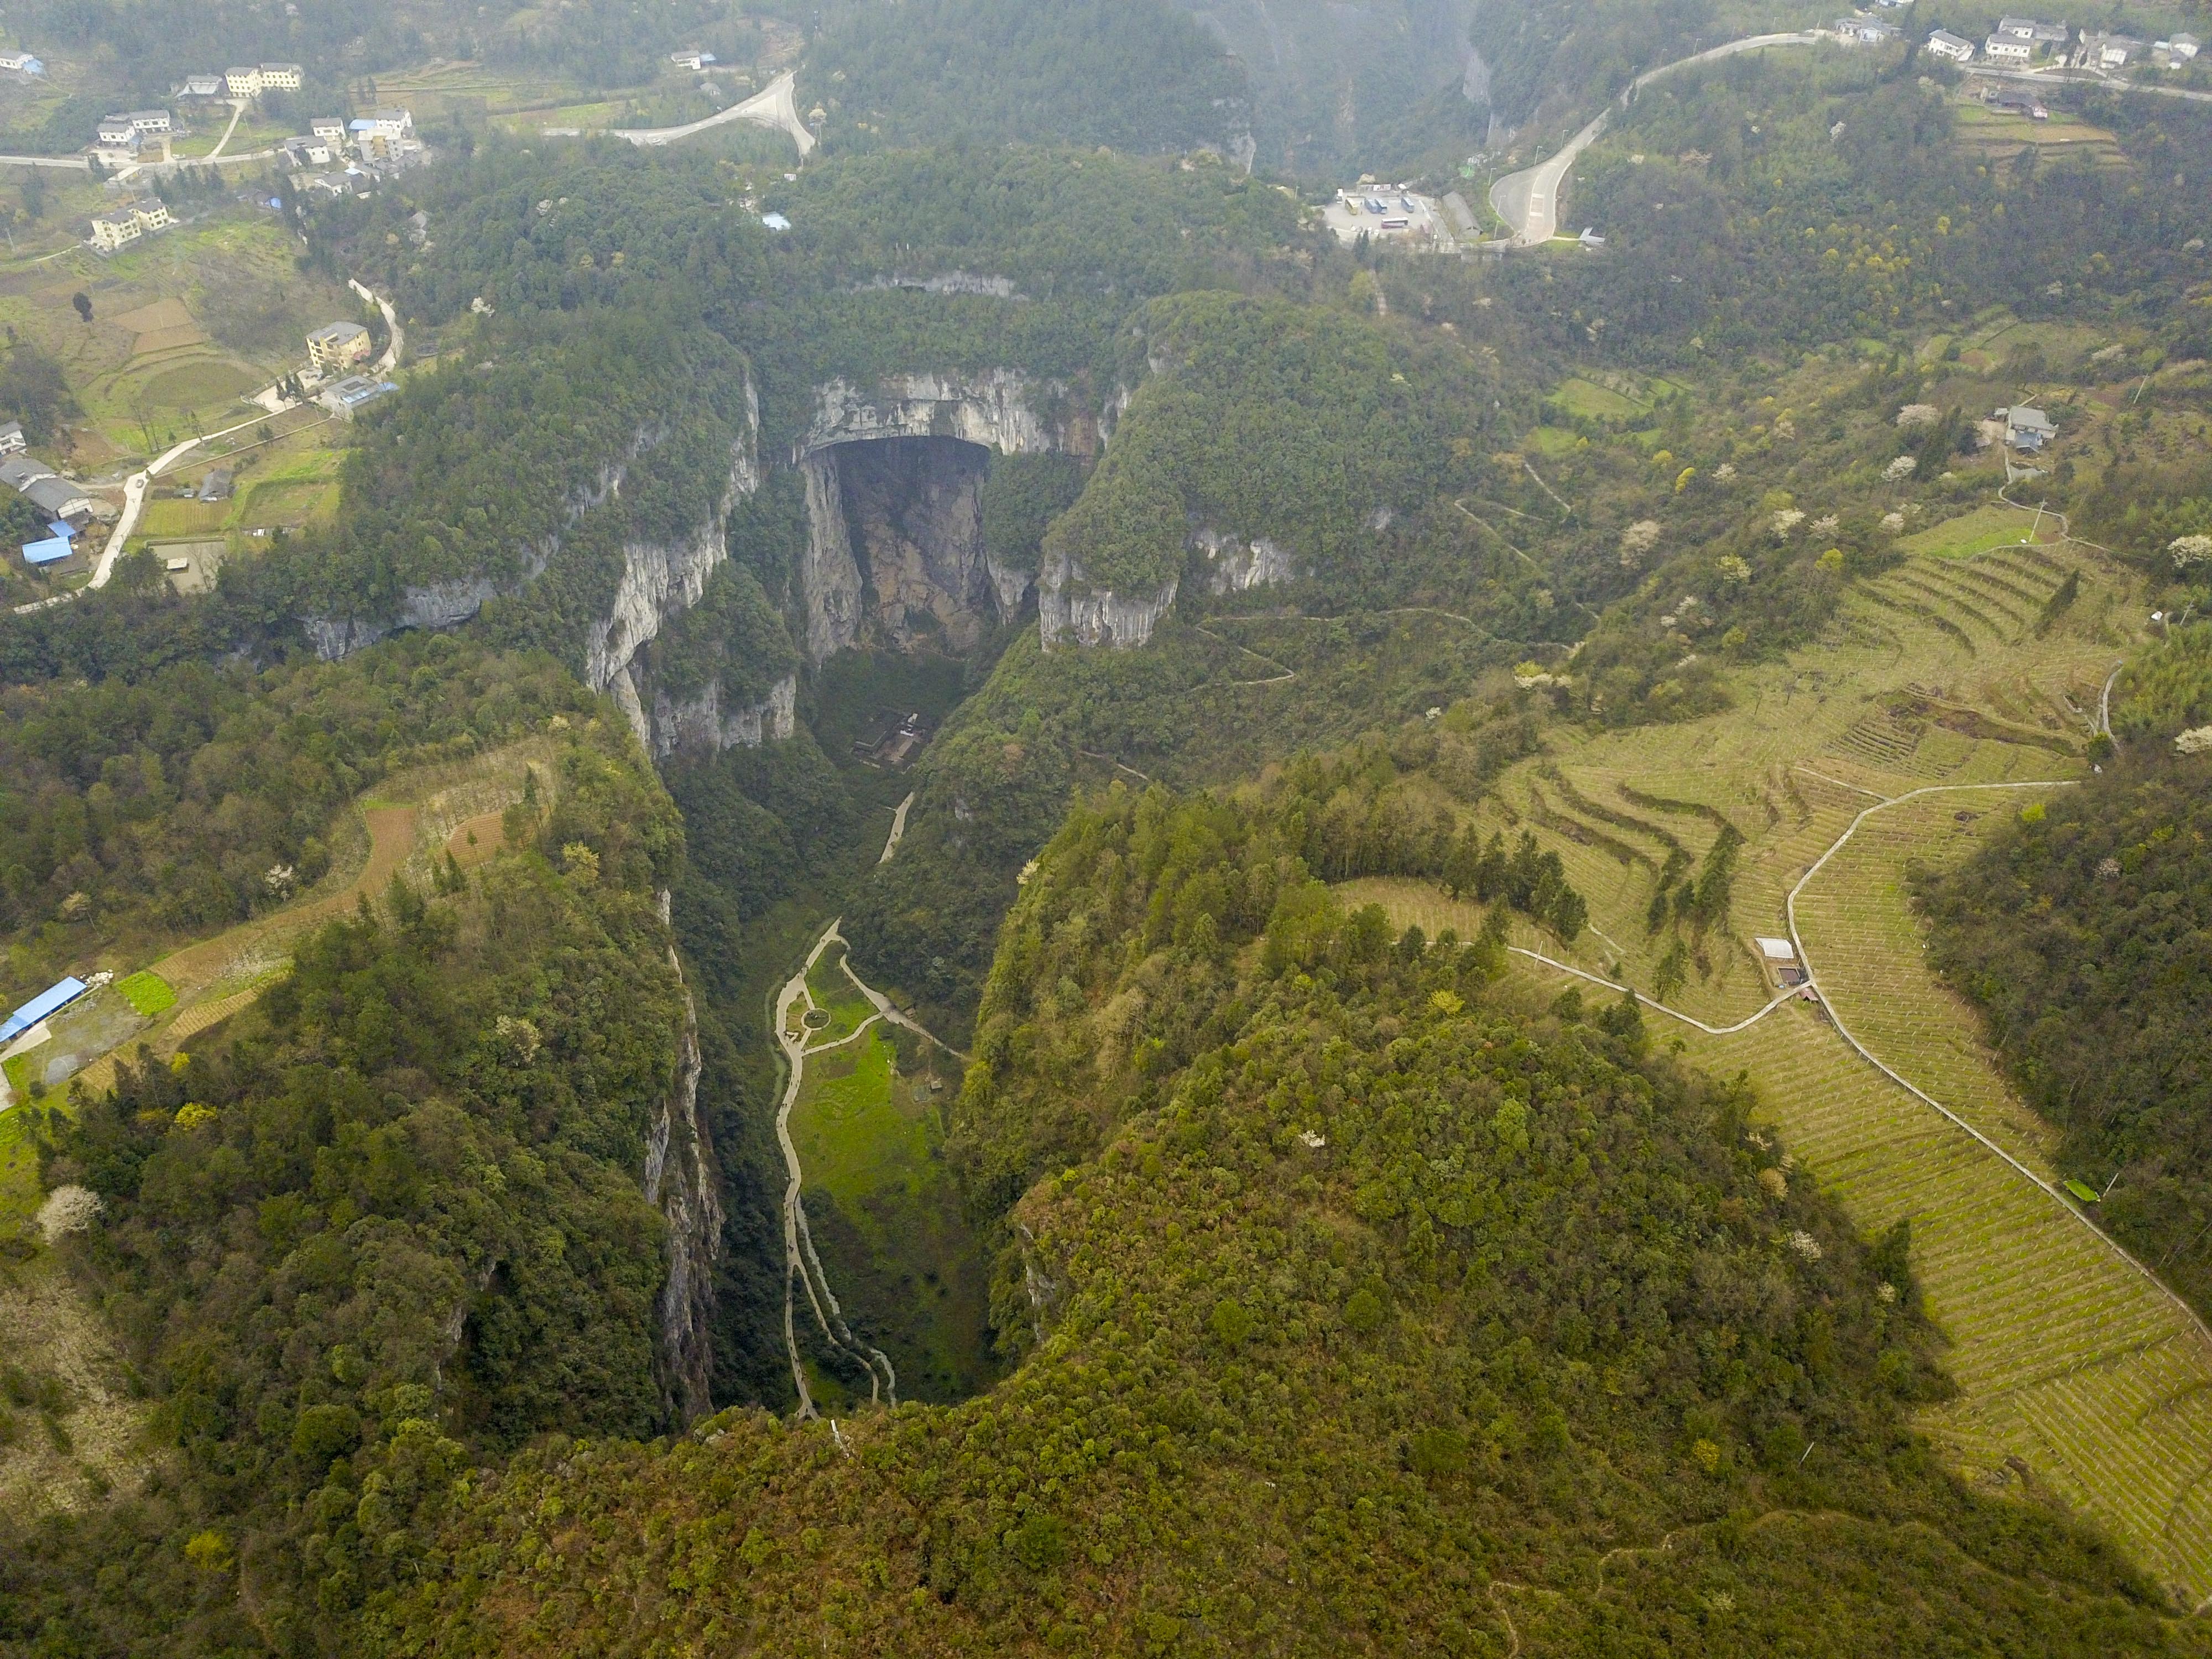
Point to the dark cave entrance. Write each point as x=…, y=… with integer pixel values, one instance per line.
x=896, y=557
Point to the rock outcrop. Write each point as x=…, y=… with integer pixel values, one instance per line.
x=1233, y=566
x=1000, y=408
x=680, y=1181
x=435, y=605
x=1070, y=609
x=702, y=724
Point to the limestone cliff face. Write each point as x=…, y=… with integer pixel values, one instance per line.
x=1234, y=566
x=1000, y=408
x=436, y=605
x=658, y=581
x=828, y=574
x=1070, y=609
x=679, y=1180
x=895, y=553
x=702, y=724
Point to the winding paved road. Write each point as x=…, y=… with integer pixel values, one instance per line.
x=135, y=488
x=801, y=1263
x=773, y=105
x=1529, y=200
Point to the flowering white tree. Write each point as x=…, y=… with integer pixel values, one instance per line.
x=67, y=1210
x=1637, y=540
x=2190, y=549
x=1914, y=414
x=1898, y=469
x=1786, y=520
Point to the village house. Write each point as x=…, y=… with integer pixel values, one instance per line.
x=281, y=77
x=22, y=63
x=347, y=398
x=1944, y=43
x=37, y=483
x=2039, y=35
x=1864, y=32
x=336, y=346
x=2107, y=52
x=120, y=226
x=244, y=82
x=2026, y=428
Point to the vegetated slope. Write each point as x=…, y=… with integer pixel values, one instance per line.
x=1377, y=1311
x=1335, y=90
x=136, y=811
x=1786, y=198
x=1337, y=440
x=387, y=1225
x=2079, y=932
x=1136, y=75
x=1577, y=54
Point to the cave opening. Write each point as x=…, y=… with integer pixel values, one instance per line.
x=896, y=557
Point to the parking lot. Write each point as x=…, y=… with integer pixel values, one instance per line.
x=1388, y=215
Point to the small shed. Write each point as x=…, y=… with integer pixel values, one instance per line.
x=52, y=551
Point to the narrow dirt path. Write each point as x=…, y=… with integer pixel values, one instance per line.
x=898, y=828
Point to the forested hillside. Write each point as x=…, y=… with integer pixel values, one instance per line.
x=386, y=1224
x=605, y=43
x=2079, y=933
x=1137, y=76
x=137, y=812
x=1377, y=1307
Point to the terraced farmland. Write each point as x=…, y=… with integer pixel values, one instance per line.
x=1943, y=673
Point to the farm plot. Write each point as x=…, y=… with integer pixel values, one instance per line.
x=883, y=1208
x=1981, y=531
x=2066, y=1357
x=1945, y=672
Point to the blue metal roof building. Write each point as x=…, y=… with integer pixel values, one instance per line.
x=47, y=552
x=53, y=998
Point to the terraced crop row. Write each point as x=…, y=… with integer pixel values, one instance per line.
x=2069, y=1356
x=2064, y=1356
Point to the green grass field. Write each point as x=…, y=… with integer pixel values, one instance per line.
x=1585, y=399
x=182, y=520
x=833, y=993
x=886, y=1219
x=1551, y=440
